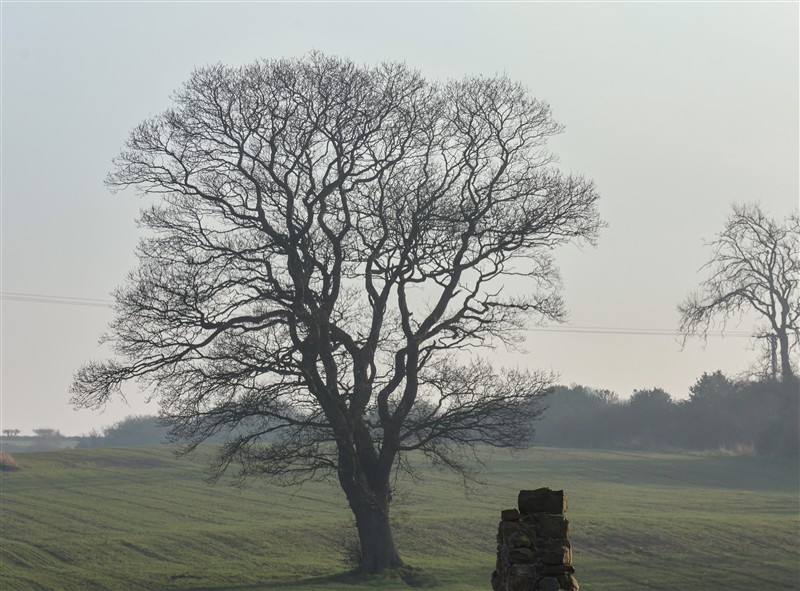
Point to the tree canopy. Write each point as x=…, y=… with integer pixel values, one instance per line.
x=328, y=244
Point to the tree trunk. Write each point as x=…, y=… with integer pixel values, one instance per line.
x=369, y=500
x=787, y=375
x=378, y=551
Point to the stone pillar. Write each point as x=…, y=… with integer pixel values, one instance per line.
x=533, y=552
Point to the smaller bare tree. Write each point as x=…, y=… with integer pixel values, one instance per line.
x=754, y=267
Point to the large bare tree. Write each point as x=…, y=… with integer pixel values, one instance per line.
x=754, y=267
x=328, y=245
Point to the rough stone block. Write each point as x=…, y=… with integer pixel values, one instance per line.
x=551, y=526
x=549, y=584
x=557, y=556
x=509, y=515
x=519, y=539
x=542, y=500
x=555, y=570
x=496, y=581
x=520, y=584
x=568, y=583
x=551, y=543
x=506, y=528
x=517, y=555
x=522, y=570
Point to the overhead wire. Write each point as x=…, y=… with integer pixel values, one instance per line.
x=567, y=329
x=49, y=299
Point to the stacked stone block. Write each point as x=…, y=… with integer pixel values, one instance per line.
x=533, y=552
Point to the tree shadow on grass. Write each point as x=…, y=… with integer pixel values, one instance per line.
x=412, y=577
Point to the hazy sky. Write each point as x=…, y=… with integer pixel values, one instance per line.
x=676, y=110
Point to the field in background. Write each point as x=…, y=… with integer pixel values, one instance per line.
x=25, y=443
x=140, y=519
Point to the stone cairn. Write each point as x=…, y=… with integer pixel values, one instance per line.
x=533, y=553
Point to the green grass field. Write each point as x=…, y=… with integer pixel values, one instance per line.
x=138, y=519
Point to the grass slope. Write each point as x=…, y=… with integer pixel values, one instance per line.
x=140, y=519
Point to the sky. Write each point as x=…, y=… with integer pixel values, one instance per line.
x=676, y=110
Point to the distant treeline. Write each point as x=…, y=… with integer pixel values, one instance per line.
x=720, y=413
x=133, y=431
x=129, y=432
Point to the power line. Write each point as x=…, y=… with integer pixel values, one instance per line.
x=36, y=295
x=48, y=299
x=606, y=330
x=632, y=331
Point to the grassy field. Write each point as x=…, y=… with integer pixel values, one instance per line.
x=140, y=519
